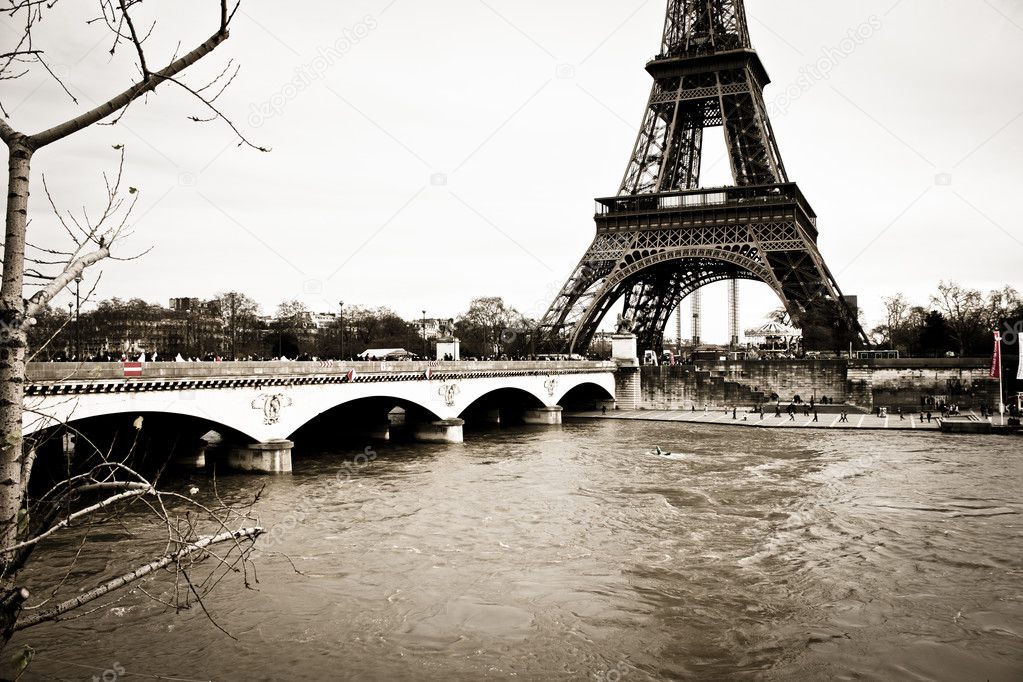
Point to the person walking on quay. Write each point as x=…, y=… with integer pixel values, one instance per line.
x=902, y=417
x=928, y=416
x=792, y=416
x=733, y=412
x=777, y=410
x=844, y=417
x=815, y=415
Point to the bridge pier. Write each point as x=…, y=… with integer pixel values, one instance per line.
x=544, y=416
x=443, y=431
x=272, y=457
x=628, y=389
x=379, y=431
x=191, y=458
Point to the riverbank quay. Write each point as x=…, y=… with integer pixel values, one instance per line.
x=908, y=383
x=745, y=418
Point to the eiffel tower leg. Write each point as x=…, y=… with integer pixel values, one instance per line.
x=577, y=296
x=812, y=296
x=752, y=150
x=649, y=303
x=668, y=149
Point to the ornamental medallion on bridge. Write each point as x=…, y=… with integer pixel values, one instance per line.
x=551, y=385
x=448, y=393
x=271, y=405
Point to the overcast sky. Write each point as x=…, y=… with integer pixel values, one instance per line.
x=441, y=151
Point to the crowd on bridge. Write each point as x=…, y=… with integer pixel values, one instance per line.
x=305, y=357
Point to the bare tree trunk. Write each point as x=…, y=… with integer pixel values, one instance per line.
x=13, y=342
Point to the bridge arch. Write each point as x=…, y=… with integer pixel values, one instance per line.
x=49, y=412
x=365, y=414
x=501, y=404
x=586, y=395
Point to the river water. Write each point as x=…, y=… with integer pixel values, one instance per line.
x=567, y=553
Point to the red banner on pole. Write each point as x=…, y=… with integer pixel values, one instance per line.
x=996, y=360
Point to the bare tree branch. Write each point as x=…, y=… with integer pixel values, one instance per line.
x=134, y=492
x=135, y=39
x=219, y=114
x=147, y=84
x=127, y=578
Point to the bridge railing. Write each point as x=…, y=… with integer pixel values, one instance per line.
x=91, y=371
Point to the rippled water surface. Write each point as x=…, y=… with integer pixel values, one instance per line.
x=569, y=553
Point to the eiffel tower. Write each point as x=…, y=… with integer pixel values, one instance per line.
x=663, y=238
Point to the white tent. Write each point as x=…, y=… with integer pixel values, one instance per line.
x=384, y=353
x=772, y=330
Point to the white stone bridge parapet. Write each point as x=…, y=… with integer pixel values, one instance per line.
x=267, y=402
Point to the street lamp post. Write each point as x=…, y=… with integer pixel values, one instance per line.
x=341, y=320
x=70, y=315
x=234, y=333
x=189, y=327
x=424, y=335
x=78, y=324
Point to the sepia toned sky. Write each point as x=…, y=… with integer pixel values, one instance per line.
x=427, y=153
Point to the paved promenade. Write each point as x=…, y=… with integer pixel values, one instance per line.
x=721, y=418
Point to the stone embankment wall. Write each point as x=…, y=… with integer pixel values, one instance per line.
x=902, y=383
x=628, y=394
x=866, y=383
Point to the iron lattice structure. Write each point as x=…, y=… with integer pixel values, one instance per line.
x=662, y=238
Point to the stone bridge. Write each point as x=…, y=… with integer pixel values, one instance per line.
x=261, y=406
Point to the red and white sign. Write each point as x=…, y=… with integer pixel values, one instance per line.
x=350, y=377
x=429, y=373
x=996, y=360
x=132, y=369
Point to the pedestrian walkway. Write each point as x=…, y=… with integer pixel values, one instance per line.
x=721, y=417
